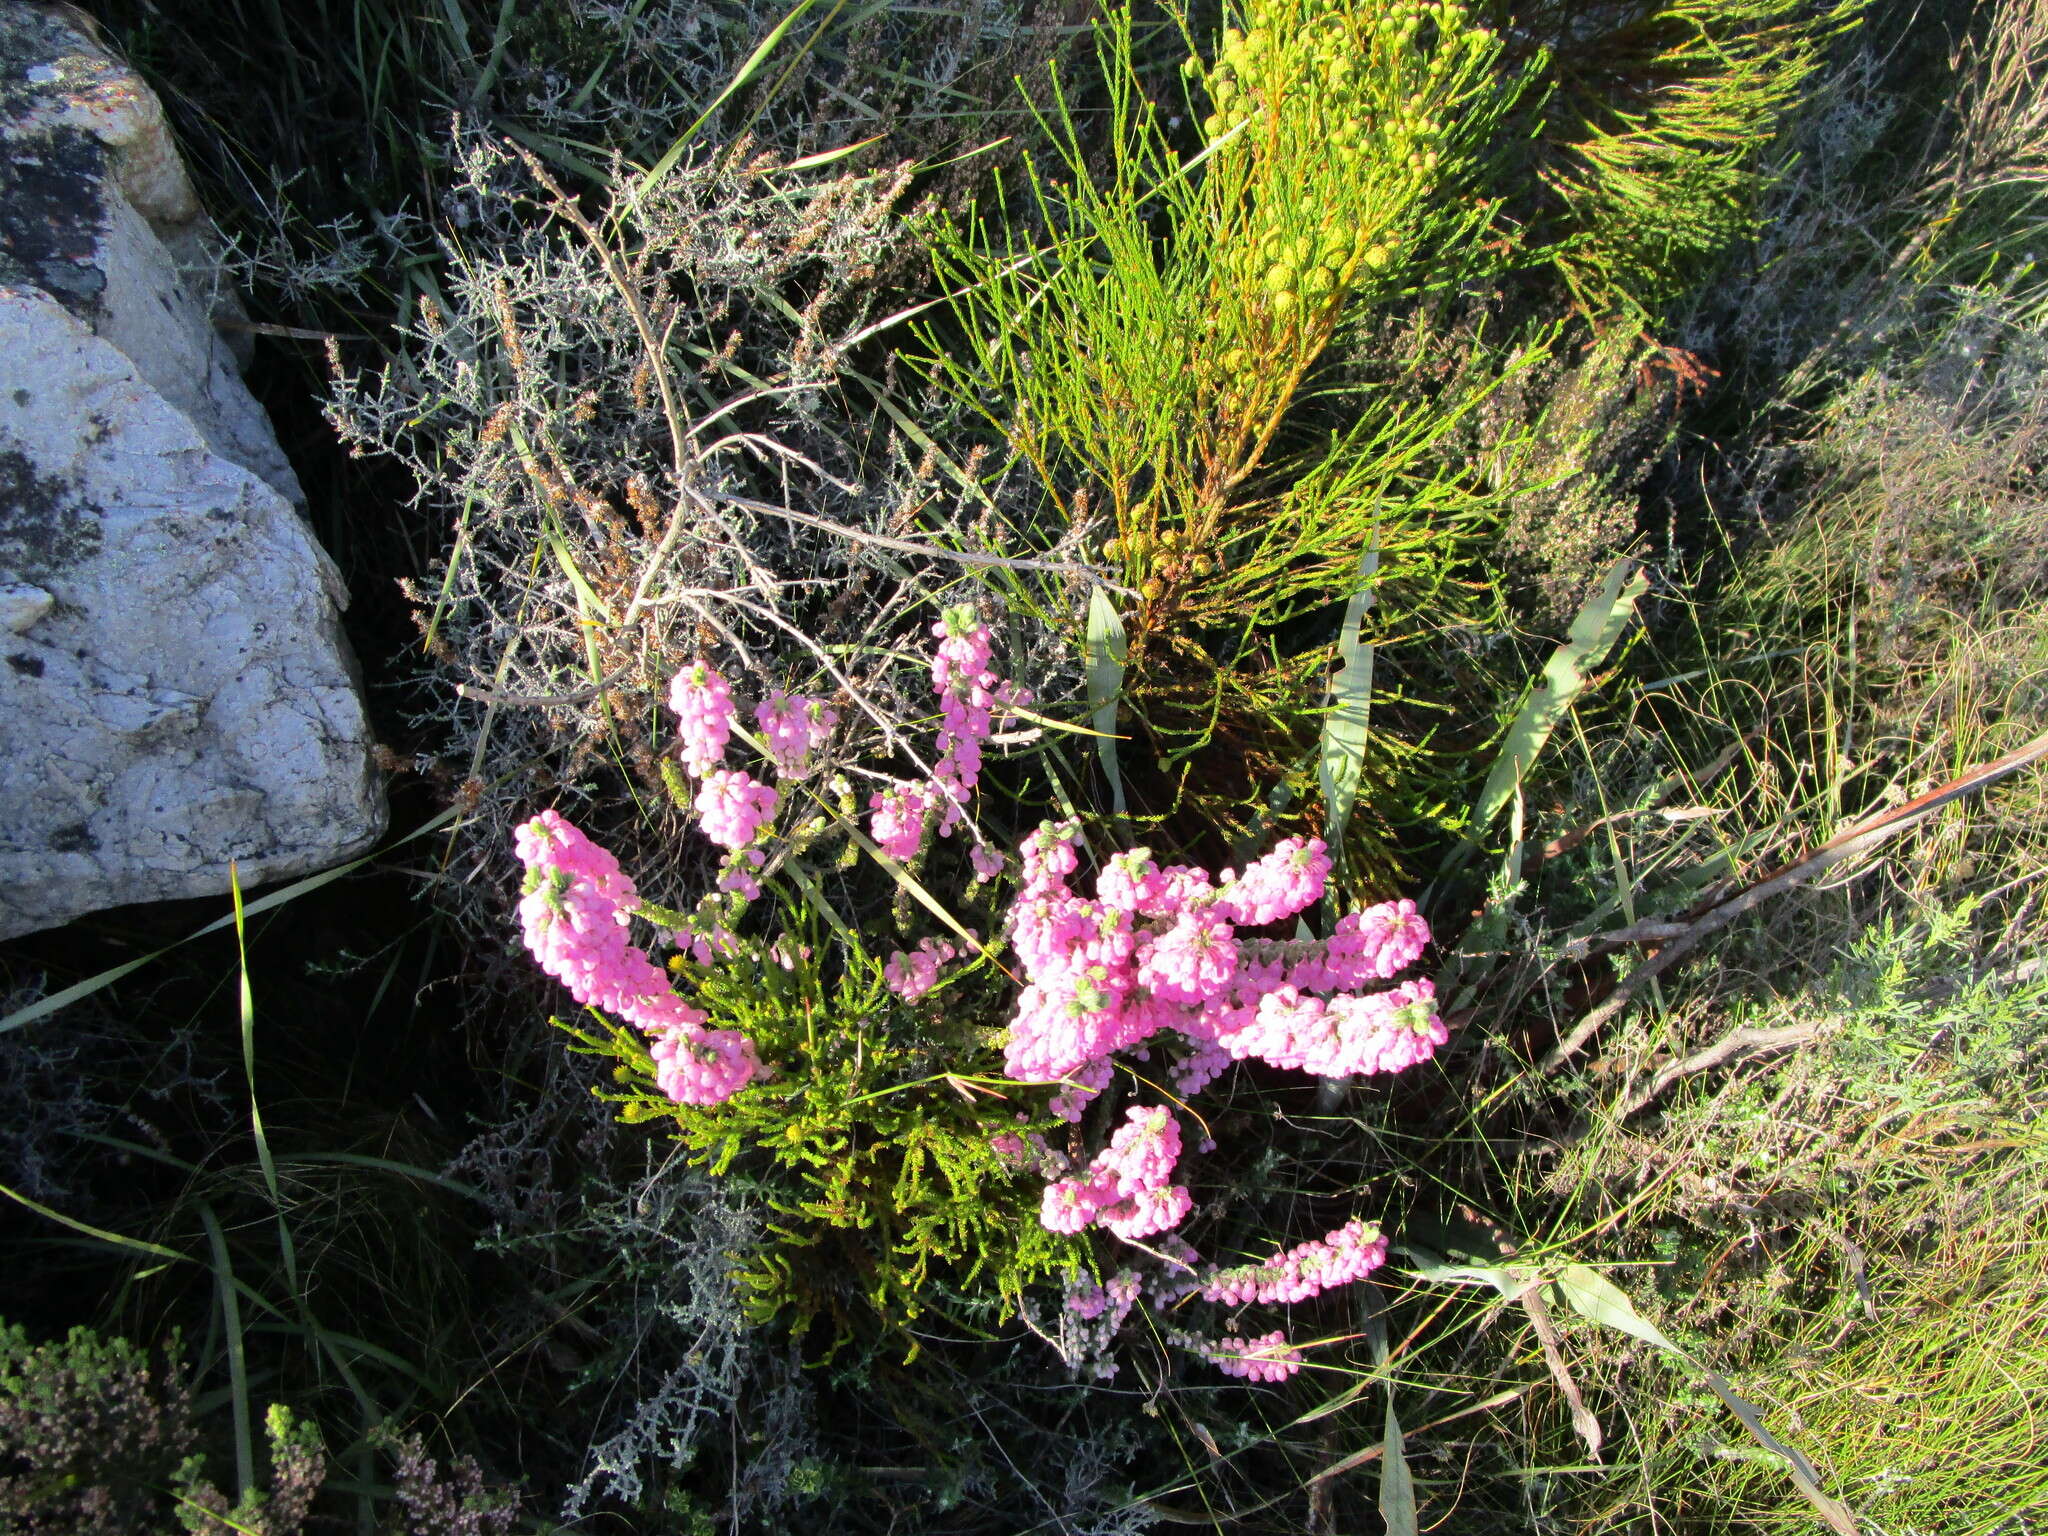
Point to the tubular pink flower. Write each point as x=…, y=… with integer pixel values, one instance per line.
x=1350, y=1253
x=731, y=807
x=1071, y=1204
x=703, y=1066
x=574, y=916
x=1200, y=1067
x=986, y=862
x=736, y=872
x=1284, y=882
x=1266, y=1358
x=970, y=698
x=1363, y=1034
x=1143, y=1152
x=1148, y=1212
x=1192, y=961
x=897, y=821
x=1088, y=1080
x=703, y=706
x=912, y=975
x=793, y=727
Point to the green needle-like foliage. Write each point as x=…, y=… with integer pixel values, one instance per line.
x=870, y=1139
x=1655, y=116
x=1166, y=350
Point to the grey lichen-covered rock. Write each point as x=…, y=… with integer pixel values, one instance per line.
x=175, y=689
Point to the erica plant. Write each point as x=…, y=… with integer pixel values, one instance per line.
x=1084, y=976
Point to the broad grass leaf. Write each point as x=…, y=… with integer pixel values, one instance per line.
x=1107, y=651
x=1599, y=1299
x=1805, y=1476
x=1397, y=1483
x=1346, y=726
x=1594, y=1297
x=1593, y=633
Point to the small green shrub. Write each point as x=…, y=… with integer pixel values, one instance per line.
x=1655, y=117
x=870, y=1146
x=91, y=1432
x=1162, y=344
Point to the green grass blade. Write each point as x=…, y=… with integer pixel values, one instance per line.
x=86, y=1229
x=1344, y=730
x=238, y=1358
x=755, y=61
x=1593, y=1296
x=78, y=991
x=264, y=1159
x=1593, y=633
x=1107, y=652
x=1397, y=1483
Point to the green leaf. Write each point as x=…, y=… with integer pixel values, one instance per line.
x=42, y=1008
x=1595, y=1297
x=238, y=1358
x=1346, y=726
x=1593, y=633
x=1107, y=652
x=1397, y=1483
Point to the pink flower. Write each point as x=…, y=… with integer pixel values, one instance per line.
x=574, y=914
x=1284, y=882
x=1350, y=1253
x=737, y=870
x=703, y=1067
x=703, y=705
x=1069, y=1205
x=731, y=807
x=1148, y=1212
x=1192, y=961
x=794, y=726
x=912, y=975
x=897, y=821
x=1142, y=1154
x=1266, y=1358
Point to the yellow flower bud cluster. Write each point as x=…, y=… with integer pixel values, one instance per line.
x=1342, y=111
x=1171, y=553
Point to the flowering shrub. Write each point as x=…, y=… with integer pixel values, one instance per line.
x=864, y=1135
x=888, y=1110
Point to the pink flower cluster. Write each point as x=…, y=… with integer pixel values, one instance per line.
x=1128, y=1188
x=1158, y=949
x=574, y=914
x=1265, y=1358
x=969, y=694
x=898, y=820
x=1350, y=1253
x=702, y=701
x=732, y=806
x=793, y=726
x=912, y=975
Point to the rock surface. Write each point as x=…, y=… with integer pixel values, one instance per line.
x=175, y=689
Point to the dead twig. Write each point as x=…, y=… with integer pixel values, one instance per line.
x=925, y=551
x=1736, y=1045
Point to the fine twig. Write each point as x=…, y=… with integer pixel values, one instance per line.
x=1845, y=845
x=926, y=551
x=1737, y=1045
x=543, y=701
